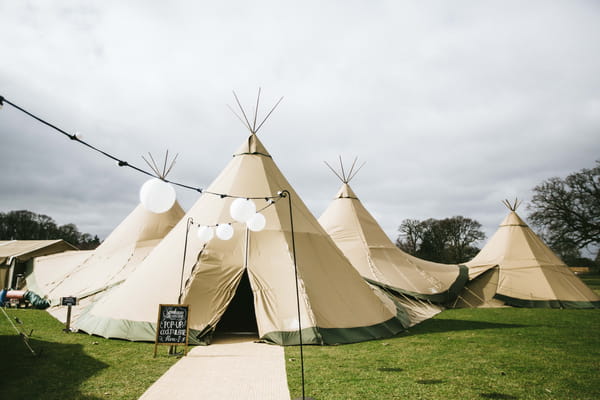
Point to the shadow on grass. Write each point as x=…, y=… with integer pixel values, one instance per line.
x=451, y=325
x=429, y=381
x=56, y=373
x=389, y=369
x=498, y=396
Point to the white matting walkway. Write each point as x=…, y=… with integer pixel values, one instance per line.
x=229, y=369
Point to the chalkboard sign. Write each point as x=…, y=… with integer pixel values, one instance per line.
x=68, y=301
x=172, y=325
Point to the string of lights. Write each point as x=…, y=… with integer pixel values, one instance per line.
x=123, y=163
x=270, y=202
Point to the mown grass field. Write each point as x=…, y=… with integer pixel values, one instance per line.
x=464, y=354
x=72, y=365
x=460, y=354
x=507, y=353
x=593, y=281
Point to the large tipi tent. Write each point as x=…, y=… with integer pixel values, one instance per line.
x=378, y=259
x=89, y=274
x=516, y=268
x=336, y=305
x=44, y=272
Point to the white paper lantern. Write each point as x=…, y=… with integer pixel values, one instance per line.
x=257, y=222
x=224, y=231
x=157, y=196
x=242, y=209
x=205, y=233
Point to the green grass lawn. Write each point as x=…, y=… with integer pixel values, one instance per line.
x=72, y=365
x=593, y=281
x=507, y=353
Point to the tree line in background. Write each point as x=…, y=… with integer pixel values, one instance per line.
x=564, y=212
x=27, y=225
x=567, y=214
x=449, y=241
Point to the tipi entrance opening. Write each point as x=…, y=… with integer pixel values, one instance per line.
x=240, y=317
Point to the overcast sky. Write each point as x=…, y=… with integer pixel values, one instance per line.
x=454, y=106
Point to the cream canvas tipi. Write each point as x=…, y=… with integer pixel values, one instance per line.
x=378, y=259
x=88, y=275
x=335, y=304
x=516, y=268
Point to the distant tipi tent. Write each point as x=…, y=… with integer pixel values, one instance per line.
x=88, y=275
x=378, y=259
x=516, y=268
x=248, y=282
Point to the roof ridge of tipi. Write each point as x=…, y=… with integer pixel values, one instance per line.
x=345, y=191
x=512, y=206
x=254, y=145
x=142, y=224
x=513, y=219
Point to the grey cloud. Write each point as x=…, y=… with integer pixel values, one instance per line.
x=453, y=107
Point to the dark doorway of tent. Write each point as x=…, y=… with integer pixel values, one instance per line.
x=238, y=323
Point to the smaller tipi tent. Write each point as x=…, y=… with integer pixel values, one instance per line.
x=44, y=271
x=380, y=261
x=89, y=274
x=516, y=268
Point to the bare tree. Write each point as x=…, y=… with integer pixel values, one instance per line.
x=411, y=235
x=450, y=240
x=567, y=211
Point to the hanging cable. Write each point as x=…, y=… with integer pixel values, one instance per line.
x=120, y=162
x=123, y=163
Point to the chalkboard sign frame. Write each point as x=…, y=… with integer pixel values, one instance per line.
x=163, y=317
x=68, y=301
